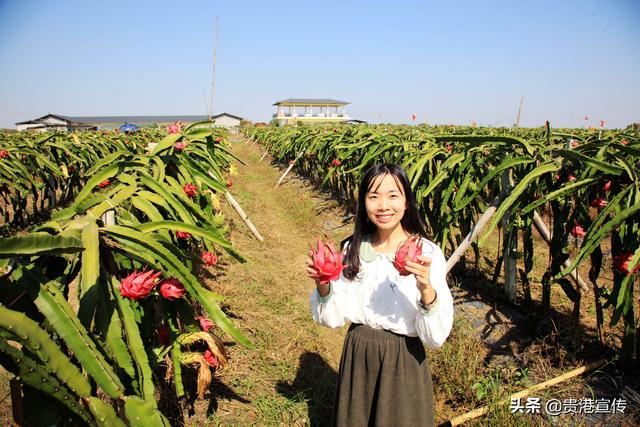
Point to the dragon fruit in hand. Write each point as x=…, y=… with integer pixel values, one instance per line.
x=408, y=251
x=327, y=262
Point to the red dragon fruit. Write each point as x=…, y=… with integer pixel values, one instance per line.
x=205, y=323
x=209, y=258
x=211, y=358
x=408, y=251
x=180, y=146
x=139, y=285
x=190, y=189
x=174, y=128
x=183, y=235
x=327, y=262
x=599, y=203
x=172, y=289
x=577, y=231
x=621, y=263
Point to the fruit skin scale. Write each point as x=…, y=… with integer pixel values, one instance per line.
x=327, y=262
x=408, y=251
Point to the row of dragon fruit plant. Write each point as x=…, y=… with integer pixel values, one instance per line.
x=585, y=180
x=102, y=297
x=42, y=171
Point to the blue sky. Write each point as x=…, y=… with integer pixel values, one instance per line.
x=446, y=62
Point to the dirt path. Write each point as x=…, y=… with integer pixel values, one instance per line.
x=289, y=378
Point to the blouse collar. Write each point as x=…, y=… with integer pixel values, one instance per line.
x=368, y=254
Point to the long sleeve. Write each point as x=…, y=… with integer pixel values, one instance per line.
x=434, y=326
x=328, y=310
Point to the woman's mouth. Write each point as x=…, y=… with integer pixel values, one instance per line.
x=384, y=218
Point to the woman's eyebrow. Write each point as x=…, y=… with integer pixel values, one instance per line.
x=390, y=191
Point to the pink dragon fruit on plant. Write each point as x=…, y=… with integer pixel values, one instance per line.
x=205, y=323
x=209, y=258
x=408, y=251
x=211, y=358
x=599, y=203
x=577, y=231
x=172, y=289
x=327, y=262
x=138, y=285
x=621, y=263
x=183, y=235
x=174, y=128
x=190, y=189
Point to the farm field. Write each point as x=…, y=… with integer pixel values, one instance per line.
x=496, y=348
x=295, y=387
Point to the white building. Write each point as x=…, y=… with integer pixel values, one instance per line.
x=294, y=110
x=56, y=122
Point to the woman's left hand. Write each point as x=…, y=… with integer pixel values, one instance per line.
x=422, y=271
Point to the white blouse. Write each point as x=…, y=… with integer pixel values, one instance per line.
x=382, y=299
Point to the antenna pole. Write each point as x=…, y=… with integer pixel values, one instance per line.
x=213, y=71
x=204, y=99
x=519, y=111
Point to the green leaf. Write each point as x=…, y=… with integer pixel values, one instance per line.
x=39, y=377
x=174, y=267
x=590, y=161
x=513, y=197
x=136, y=345
x=209, y=234
x=140, y=413
x=55, y=308
x=18, y=327
x=39, y=244
x=594, y=235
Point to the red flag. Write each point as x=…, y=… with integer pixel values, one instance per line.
x=413, y=117
x=601, y=123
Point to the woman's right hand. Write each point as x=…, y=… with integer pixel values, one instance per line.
x=323, y=289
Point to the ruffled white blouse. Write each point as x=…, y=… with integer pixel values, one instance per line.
x=382, y=299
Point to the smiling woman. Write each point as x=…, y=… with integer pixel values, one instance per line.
x=384, y=376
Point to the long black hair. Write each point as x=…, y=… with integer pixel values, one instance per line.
x=411, y=222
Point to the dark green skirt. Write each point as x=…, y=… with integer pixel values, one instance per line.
x=384, y=380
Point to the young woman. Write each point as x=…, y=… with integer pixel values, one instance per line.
x=384, y=377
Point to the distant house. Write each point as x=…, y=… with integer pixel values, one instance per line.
x=53, y=122
x=56, y=122
x=294, y=110
x=226, y=120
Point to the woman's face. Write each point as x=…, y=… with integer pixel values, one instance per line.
x=385, y=202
